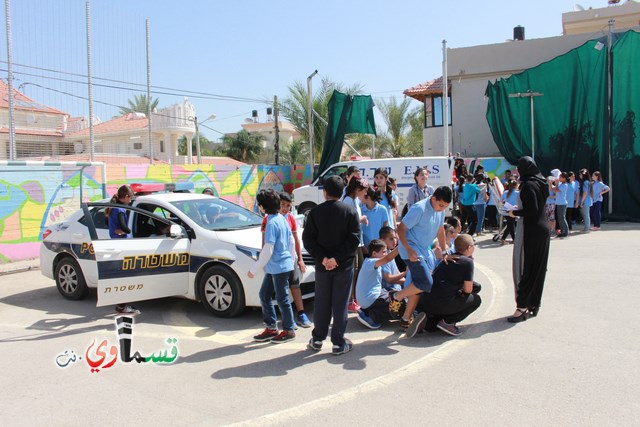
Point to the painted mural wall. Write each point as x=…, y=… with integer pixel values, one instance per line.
x=33, y=196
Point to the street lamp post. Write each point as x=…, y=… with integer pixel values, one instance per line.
x=310, y=118
x=530, y=95
x=195, y=122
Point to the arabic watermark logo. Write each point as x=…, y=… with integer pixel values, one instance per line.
x=103, y=355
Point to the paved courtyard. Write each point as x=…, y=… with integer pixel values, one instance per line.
x=575, y=364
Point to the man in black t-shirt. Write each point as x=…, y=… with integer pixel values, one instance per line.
x=331, y=236
x=454, y=295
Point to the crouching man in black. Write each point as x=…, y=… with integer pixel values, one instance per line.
x=454, y=295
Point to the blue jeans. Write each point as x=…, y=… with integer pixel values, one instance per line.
x=280, y=284
x=586, y=220
x=561, y=213
x=480, y=209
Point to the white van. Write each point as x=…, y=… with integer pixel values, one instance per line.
x=402, y=169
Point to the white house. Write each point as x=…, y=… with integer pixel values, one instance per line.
x=43, y=133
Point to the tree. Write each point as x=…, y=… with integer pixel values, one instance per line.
x=243, y=146
x=400, y=138
x=294, y=108
x=295, y=153
x=139, y=104
x=204, y=144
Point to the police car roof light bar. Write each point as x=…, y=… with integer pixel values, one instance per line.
x=156, y=187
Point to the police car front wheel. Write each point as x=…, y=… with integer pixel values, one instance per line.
x=221, y=292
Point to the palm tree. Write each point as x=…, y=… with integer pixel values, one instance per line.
x=294, y=153
x=243, y=146
x=139, y=104
x=400, y=138
x=294, y=108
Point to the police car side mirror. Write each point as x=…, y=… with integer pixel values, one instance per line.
x=175, y=231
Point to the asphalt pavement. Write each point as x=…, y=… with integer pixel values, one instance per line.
x=575, y=364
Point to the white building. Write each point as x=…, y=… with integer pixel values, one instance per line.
x=469, y=70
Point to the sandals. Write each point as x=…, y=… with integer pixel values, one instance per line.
x=523, y=314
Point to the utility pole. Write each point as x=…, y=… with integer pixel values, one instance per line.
x=276, y=142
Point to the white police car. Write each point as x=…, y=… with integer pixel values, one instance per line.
x=183, y=244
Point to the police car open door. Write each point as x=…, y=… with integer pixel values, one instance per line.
x=152, y=263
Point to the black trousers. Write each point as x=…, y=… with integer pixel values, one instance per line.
x=452, y=310
x=378, y=311
x=468, y=217
x=510, y=229
x=333, y=289
x=492, y=216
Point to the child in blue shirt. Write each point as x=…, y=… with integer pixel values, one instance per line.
x=372, y=297
x=510, y=196
x=572, y=186
x=377, y=216
x=561, y=204
x=392, y=278
x=277, y=262
x=421, y=225
x=585, y=197
x=599, y=188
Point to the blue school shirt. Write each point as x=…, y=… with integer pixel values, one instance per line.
x=384, y=202
x=390, y=268
x=512, y=199
x=369, y=284
x=469, y=194
x=480, y=198
x=423, y=224
x=376, y=218
x=588, y=201
x=561, y=196
x=278, y=233
x=571, y=194
x=598, y=188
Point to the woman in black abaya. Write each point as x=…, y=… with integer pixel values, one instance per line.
x=531, y=253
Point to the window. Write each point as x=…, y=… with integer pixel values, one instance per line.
x=137, y=145
x=161, y=146
x=338, y=170
x=437, y=118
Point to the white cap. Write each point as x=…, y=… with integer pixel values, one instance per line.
x=556, y=173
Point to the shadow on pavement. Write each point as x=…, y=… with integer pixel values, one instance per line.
x=280, y=366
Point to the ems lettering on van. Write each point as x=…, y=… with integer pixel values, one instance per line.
x=402, y=169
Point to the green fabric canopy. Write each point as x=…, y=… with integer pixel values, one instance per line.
x=572, y=121
x=347, y=114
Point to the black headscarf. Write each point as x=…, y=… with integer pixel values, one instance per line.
x=528, y=171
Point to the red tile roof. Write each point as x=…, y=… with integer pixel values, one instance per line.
x=128, y=122
x=23, y=102
x=33, y=132
x=420, y=92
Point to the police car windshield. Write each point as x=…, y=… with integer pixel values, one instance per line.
x=218, y=214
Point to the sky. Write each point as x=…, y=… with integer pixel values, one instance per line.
x=249, y=49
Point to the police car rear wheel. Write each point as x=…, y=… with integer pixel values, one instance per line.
x=221, y=292
x=70, y=280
